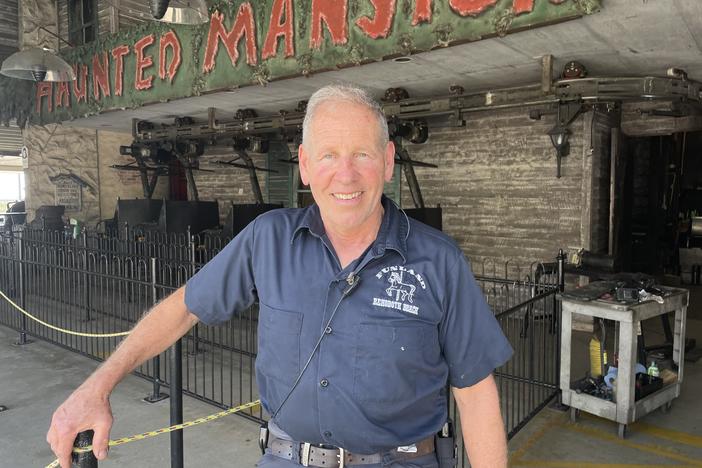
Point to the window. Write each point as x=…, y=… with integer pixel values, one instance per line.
x=11, y=188
x=82, y=21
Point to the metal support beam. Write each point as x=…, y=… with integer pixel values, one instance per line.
x=411, y=177
x=192, y=187
x=580, y=90
x=547, y=74
x=258, y=195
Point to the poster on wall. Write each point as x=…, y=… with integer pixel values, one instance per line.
x=69, y=193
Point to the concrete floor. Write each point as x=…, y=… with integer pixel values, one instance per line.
x=37, y=377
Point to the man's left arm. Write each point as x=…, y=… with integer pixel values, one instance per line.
x=481, y=424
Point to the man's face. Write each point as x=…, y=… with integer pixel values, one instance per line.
x=345, y=165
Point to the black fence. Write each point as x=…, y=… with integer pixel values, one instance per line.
x=102, y=284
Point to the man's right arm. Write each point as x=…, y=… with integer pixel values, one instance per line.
x=88, y=406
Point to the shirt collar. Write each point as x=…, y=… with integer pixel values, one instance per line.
x=393, y=233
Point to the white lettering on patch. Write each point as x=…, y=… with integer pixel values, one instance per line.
x=403, y=283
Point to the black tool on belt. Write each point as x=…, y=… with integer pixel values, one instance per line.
x=446, y=448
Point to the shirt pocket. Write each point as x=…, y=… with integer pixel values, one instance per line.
x=388, y=363
x=279, y=343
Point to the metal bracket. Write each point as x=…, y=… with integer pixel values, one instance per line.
x=342, y=457
x=305, y=454
x=568, y=112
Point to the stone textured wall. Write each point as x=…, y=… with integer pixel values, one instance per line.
x=53, y=151
x=497, y=185
x=35, y=13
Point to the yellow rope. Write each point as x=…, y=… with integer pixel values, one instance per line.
x=165, y=430
x=144, y=435
x=62, y=330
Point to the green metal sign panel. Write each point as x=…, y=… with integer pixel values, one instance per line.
x=254, y=42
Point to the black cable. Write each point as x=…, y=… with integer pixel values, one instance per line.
x=352, y=281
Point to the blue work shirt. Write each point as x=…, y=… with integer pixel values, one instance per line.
x=378, y=380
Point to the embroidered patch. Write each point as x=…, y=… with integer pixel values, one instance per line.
x=402, y=286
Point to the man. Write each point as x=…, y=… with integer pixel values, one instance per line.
x=364, y=316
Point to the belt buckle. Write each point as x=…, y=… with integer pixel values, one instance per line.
x=305, y=454
x=342, y=457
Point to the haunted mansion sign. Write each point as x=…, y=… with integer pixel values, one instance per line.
x=253, y=42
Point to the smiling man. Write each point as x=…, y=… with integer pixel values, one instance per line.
x=365, y=318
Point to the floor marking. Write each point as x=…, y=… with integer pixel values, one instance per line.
x=684, y=438
x=567, y=464
x=519, y=453
x=658, y=450
x=559, y=421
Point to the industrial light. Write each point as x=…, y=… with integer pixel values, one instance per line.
x=559, y=139
x=180, y=11
x=37, y=64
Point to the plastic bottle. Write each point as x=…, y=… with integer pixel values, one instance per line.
x=595, y=357
x=653, y=370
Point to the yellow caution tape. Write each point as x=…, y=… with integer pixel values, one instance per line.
x=63, y=330
x=165, y=430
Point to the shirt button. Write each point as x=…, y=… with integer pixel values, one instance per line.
x=324, y=382
x=328, y=330
x=327, y=434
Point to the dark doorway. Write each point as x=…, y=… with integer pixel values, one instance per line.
x=653, y=178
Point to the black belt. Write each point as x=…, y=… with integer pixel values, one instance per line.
x=332, y=457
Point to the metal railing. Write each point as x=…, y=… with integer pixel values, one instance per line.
x=98, y=283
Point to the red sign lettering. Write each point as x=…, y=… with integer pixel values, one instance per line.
x=280, y=24
x=243, y=25
x=471, y=7
x=522, y=6
x=100, y=76
x=422, y=12
x=118, y=53
x=62, y=97
x=44, y=89
x=333, y=13
x=379, y=26
x=169, y=40
x=80, y=92
x=143, y=62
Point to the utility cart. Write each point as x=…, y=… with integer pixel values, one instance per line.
x=624, y=409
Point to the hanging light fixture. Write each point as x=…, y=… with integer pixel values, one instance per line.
x=180, y=11
x=37, y=64
x=559, y=139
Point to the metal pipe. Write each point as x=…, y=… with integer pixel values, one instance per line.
x=156, y=394
x=22, y=291
x=561, y=270
x=177, y=404
x=86, y=276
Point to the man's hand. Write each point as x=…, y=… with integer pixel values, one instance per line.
x=87, y=408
